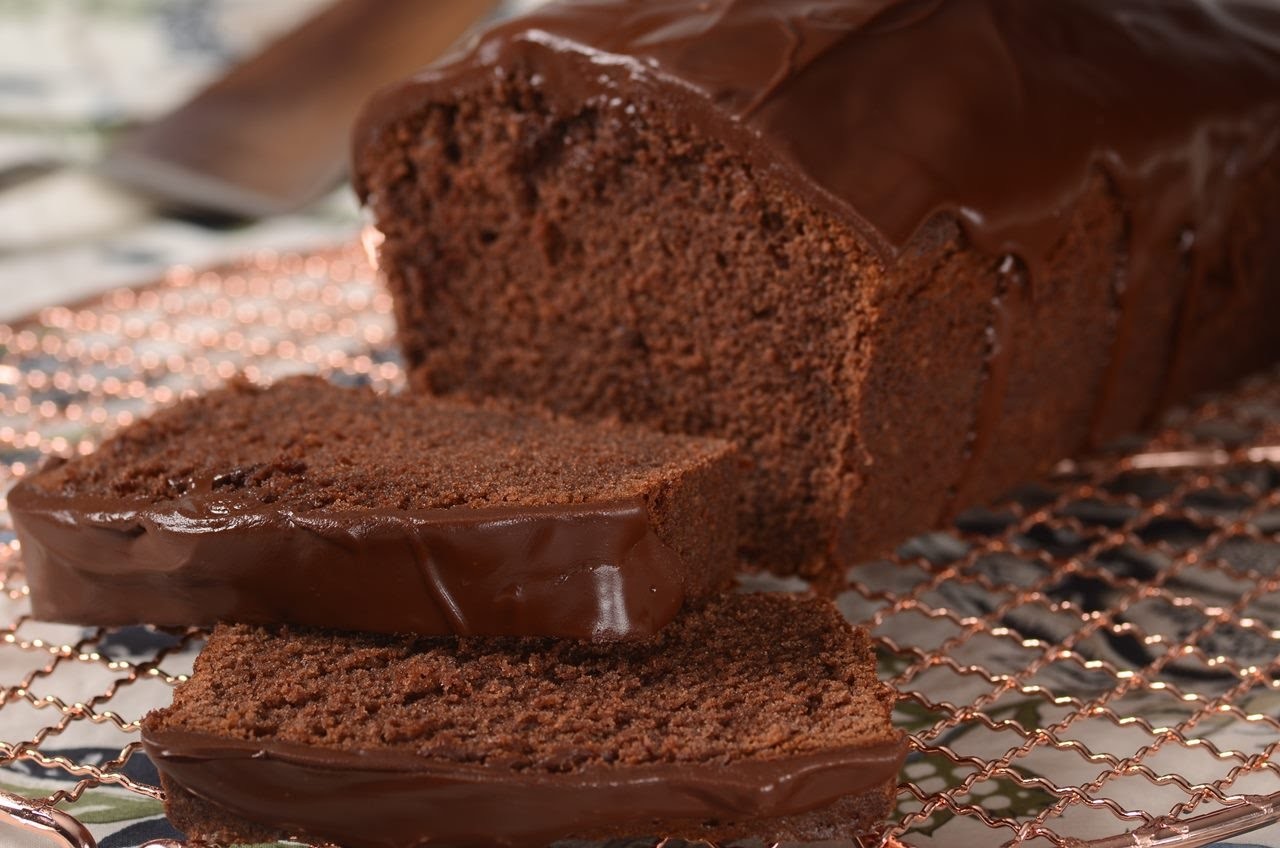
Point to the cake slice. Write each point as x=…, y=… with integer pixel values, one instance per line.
x=705, y=731
x=905, y=254
x=311, y=504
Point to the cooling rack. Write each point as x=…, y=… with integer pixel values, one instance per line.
x=1092, y=663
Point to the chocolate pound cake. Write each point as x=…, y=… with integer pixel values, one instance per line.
x=704, y=731
x=905, y=252
x=311, y=504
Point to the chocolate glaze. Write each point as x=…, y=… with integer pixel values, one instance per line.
x=397, y=799
x=892, y=111
x=585, y=571
x=1011, y=291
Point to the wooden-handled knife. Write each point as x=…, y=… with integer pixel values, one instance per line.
x=273, y=133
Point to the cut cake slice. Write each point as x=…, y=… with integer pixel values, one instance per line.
x=311, y=504
x=705, y=732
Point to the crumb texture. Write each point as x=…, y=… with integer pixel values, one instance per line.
x=608, y=262
x=748, y=676
x=305, y=444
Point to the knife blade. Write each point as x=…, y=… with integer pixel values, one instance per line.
x=272, y=134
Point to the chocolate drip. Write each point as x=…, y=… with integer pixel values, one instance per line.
x=390, y=799
x=585, y=571
x=1124, y=318
x=1006, y=305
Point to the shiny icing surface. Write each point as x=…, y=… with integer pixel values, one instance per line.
x=396, y=799
x=892, y=111
x=587, y=571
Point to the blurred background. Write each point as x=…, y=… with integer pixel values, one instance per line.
x=80, y=78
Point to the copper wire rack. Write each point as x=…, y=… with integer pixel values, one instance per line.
x=1091, y=663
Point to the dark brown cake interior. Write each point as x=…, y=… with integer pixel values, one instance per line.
x=746, y=677
x=304, y=444
x=576, y=267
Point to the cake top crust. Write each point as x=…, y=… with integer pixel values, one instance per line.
x=890, y=112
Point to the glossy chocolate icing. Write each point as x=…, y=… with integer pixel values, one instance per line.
x=892, y=111
x=397, y=799
x=585, y=571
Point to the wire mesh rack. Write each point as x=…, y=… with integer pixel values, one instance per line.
x=1092, y=663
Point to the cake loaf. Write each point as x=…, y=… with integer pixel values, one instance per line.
x=704, y=732
x=905, y=252
x=311, y=504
